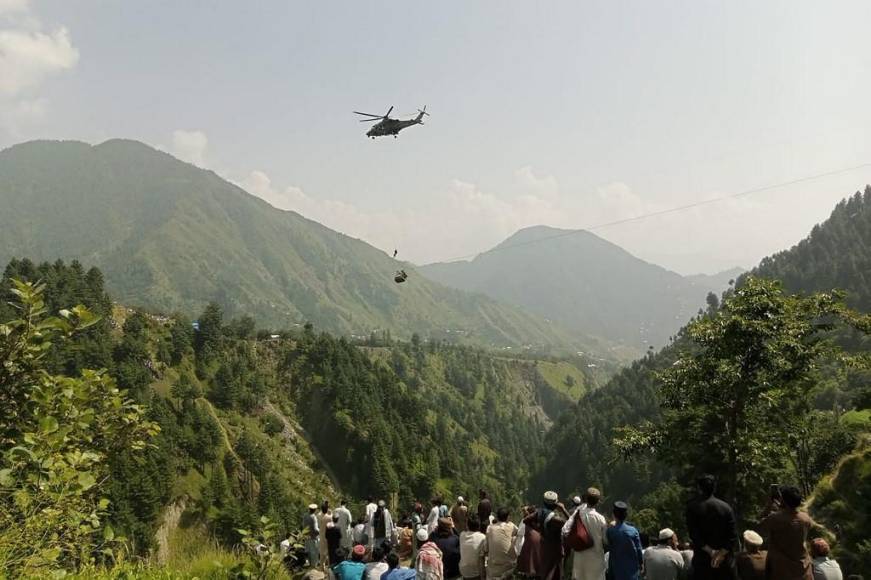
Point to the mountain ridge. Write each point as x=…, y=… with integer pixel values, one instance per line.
x=584, y=281
x=172, y=236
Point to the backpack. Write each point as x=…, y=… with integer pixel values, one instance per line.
x=579, y=538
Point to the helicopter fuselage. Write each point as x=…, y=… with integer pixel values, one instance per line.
x=390, y=127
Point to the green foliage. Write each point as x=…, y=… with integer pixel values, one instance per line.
x=56, y=435
x=261, y=550
x=734, y=403
x=843, y=503
x=578, y=448
x=393, y=421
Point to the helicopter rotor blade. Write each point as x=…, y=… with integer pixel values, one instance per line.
x=388, y=111
x=368, y=114
x=371, y=120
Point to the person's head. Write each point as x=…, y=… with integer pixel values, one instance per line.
x=791, y=496
x=377, y=554
x=706, y=484
x=460, y=500
x=287, y=536
x=418, y=507
x=529, y=510
x=370, y=499
x=312, y=508
x=473, y=524
x=343, y=553
x=644, y=537
x=381, y=505
x=361, y=520
x=344, y=502
x=577, y=501
x=620, y=511
x=482, y=494
x=358, y=553
x=422, y=535
x=685, y=546
x=335, y=518
x=502, y=514
x=325, y=507
x=667, y=537
x=392, y=560
x=445, y=527
x=550, y=498
x=819, y=547
x=436, y=501
x=752, y=541
x=592, y=496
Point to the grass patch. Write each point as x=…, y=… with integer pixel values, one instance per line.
x=564, y=377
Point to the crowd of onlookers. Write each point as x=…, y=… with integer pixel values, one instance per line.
x=555, y=541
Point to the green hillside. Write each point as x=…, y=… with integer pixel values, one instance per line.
x=172, y=237
x=586, y=283
x=836, y=254
x=252, y=424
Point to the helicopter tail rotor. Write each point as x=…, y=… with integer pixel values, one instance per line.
x=421, y=113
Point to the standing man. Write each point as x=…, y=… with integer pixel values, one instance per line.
x=449, y=544
x=663, y=561
x=312, y=537
x=344, y=524
x=550, y=519
x=589, y=564
x=460, y=515
x=380, y=528
x=432, y=520
x=324, y=519
x=711, y=523
x=751, y=562
x=625, y=557
x=428, y=563
x=485, y=508
x=787, y=530
x=499, y=547
x=472, y=551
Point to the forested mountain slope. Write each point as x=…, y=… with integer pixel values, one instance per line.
x=172, y=237
x=837, y=253
x=253, y=424
x=585, y=282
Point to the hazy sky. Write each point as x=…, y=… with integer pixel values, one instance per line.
x=568, y=113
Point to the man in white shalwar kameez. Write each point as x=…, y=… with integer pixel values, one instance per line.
x=432, y=520
x=344, y=525
x=589, y=564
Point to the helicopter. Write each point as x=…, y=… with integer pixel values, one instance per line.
x=387, y=126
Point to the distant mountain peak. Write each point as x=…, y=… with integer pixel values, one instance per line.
x=584, y=281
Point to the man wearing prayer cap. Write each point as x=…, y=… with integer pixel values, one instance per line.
x=550, y=519
x=460, y=515
x=589, y=564
x=428, y=563
x=751, y=562
x=624, y=554
x=312, y=539
x=663, y=561
x=353, y=569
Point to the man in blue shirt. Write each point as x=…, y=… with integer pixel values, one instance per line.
x=352, y=569
x=624, y=547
